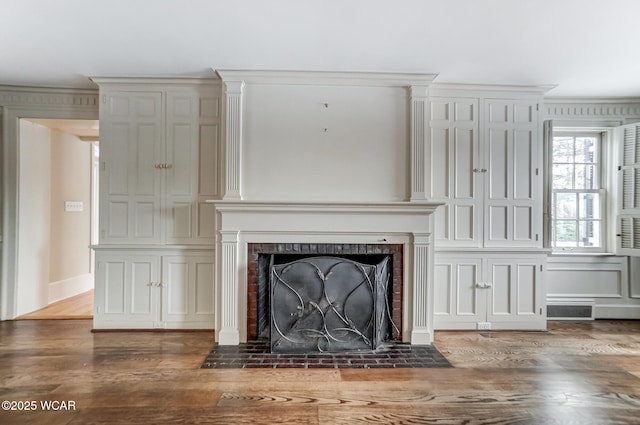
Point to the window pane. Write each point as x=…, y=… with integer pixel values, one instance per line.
x=586, y=177
x=566, y=233
x=566, y=205
x=562, y=176
x=586, y=149
x=589, y=206
x=562, y=149
x=589, y=234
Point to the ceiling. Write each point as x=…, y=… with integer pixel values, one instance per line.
x=586, y=48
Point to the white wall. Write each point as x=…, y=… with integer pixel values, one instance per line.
x=362, y=156
x=34, y=223
x=70, y=265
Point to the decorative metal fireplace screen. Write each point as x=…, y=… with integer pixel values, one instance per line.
x=328, y=304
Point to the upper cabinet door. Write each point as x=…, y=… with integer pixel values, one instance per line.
x=131, y=139
x=513, y=207
x=454, y=173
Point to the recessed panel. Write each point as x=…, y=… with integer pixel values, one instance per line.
x=179, y=175
x=527, y=289
x=441, y=223
x=439, y=111
x=466, y=280
x=498, y=164
x=118, y=222
x=146, y=106
x=145, y=160
x=464, y=220
x=498, y=112
x=119, y=105
x=522, y=114
x=141, y=296
x=114, y=287
x=145, y=219
x=209, y=107
x=522, y=164
x=498, y=223
x=181, y=213
x=182, y=107
x=206, y=219
x=464, y=112
x=522, y=223
x=208, y=159
x=442, y=289
x=204, y=288
x=118, y=173
x=440, y=162
x=178, y=288
x=463, y=159
x=501, y=282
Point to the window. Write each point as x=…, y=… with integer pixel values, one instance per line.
x=577, y=195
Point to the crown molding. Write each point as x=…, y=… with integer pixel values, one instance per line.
x=482, y=90
x=326, y=78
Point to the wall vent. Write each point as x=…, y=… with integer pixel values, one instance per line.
x=570, y=312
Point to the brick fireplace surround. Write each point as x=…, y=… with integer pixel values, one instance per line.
x=255, y=249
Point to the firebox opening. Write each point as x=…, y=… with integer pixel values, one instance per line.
x=348, y=309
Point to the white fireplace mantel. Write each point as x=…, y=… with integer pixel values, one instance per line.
x=242, y=222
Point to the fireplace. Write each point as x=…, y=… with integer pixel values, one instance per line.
x=246, y=228
x=387, y=258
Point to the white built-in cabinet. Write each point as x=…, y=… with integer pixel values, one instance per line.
x=159, y=150
x=486, y=167
x=485, y=157
x=492, y=290
x=154, y=290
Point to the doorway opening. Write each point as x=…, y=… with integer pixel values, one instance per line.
x=58, y=216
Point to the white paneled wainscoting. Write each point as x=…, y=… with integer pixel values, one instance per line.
x=593, y=287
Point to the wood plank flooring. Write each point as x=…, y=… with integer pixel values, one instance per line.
x=77, y=307
x=577, y=373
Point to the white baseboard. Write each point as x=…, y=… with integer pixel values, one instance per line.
x=617, y=311
x=69, y=287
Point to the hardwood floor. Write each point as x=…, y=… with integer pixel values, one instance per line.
x=577, y=373
x=77, y=307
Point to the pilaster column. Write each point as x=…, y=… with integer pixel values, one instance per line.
x=418, y=115
x=228, y=331
x=422, y=326
x=233, y=139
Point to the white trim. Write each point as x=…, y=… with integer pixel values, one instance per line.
x=372, y=79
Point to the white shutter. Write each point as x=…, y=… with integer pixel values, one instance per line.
x=628, y=220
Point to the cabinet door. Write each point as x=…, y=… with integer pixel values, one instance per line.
x=513, y=208
x=515, y=295
x=126, y=292
x=458, y=302
x=187, y=291
x=452, y=149
x=131, y=138
x=191, y=154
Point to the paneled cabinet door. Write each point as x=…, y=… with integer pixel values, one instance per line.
x=131, y=140
x=126, y=291
x=514, y=291
x=191, y=155
x=453, y=178
x=456, y=296
x=187, y=291
x=513, y=200
x=507, y=292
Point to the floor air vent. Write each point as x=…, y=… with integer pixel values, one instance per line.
x=570, y=312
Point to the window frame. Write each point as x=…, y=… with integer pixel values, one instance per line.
x=605, y=188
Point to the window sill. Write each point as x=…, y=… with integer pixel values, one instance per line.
x=583, y=254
